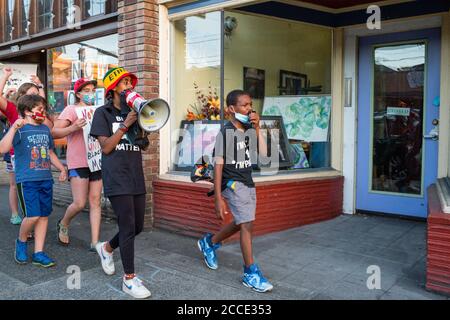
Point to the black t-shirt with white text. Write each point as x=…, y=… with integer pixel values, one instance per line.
x=122, y=171
x=235, y=148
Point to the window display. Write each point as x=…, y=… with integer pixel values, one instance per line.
x=87, y=59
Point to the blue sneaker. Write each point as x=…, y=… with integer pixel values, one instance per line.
x=209, y=251
x=41, y=259
x=254, y=279
x=21, y=255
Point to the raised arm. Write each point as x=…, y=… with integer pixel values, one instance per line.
x=262, y=144
x=7, y=141
x=7, y=72
x=38, y=82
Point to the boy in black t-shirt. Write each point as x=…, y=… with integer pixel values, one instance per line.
x=233, y=181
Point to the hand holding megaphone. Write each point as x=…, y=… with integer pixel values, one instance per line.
x=130, y=119
x=152, y=114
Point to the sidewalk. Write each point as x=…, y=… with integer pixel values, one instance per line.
x=327, y=260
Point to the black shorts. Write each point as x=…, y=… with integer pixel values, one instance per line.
x=85, y=173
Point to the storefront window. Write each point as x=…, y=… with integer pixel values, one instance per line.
x=94, y=7
x=68, y=11
x=89, y=59
x=285, y=66
x=45, y=14
x=9, y=20
x=196, y=80
x=25, y=17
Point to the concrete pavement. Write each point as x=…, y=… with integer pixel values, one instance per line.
x=328, y=260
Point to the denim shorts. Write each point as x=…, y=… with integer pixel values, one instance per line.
x=242, y=202
x=85, y=173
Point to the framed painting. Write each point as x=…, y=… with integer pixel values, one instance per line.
x=273, y=127
x=254, y=82
x=292, y=83
x=197, y=138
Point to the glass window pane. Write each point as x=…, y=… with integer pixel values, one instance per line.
x=94, y=7
x=196, y=84
x=45, y=14
x=90, y=59
x=9, y=19
x=67, y=13
x=398, y=118
x=286, y=67
x=25, y=16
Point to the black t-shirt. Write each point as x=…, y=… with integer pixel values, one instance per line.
x=237, y=148
x=122, y=171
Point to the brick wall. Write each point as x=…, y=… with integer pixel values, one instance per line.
x=438, y=245
x=139, y=53
x=184, y=207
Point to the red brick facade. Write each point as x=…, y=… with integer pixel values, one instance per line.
x=139, y=53
x=438, y=245
x=184, y=207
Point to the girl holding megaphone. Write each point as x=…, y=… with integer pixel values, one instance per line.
x=123, y=177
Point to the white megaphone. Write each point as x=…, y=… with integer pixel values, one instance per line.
x=152, y=114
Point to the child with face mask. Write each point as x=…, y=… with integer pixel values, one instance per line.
x=34, y=155
x=234, y=186
x=9, y=109
x=85, y=184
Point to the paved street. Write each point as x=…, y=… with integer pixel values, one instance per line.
x=328, y=260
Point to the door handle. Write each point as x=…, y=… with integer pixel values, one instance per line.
x=434, y=135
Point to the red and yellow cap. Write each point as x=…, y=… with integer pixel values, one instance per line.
x=114, y=75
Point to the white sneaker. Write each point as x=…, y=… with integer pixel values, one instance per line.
x=135, y=288
x=106, y=258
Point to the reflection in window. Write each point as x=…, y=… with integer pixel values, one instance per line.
x=25, y=16
x=45, y=14
x=398, y=118
x=9, y=19
x=288, y=76
x=202, y=40
x=68, y=12
x=90, y=59
x=196, y=47
x=94, y=8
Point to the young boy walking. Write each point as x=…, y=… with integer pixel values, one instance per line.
x=233, y=181
x=33, y=145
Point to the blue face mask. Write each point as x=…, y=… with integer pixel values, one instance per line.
x=89, y=99
x=242, y=118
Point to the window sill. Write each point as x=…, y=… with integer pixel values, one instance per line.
x=183, y=176
x=443, y=188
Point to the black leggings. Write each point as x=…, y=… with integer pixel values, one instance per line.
x=130, y=212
